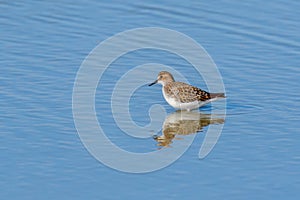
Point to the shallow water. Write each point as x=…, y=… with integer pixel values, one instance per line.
x=255, y=46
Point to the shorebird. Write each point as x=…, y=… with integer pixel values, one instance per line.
x=183, y=96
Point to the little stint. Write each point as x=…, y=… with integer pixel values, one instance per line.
x=183, y=96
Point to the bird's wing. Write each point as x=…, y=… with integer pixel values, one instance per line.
x=188, y=93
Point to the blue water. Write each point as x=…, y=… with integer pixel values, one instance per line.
x=256, y=47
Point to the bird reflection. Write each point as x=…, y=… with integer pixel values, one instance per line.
x=184, y=123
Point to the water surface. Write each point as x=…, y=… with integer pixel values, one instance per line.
x=255, y=46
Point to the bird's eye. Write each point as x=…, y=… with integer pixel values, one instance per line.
x=160, y=77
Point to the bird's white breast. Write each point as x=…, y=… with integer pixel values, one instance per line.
x=174, y=102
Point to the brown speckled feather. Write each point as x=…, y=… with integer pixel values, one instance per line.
x=185, y=92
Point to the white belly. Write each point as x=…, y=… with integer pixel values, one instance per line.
x=175, y=103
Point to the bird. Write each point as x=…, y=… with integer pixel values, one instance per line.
x=183, y=96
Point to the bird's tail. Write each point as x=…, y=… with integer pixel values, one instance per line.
x=217, y=95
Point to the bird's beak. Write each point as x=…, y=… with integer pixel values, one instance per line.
x=152, y=83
